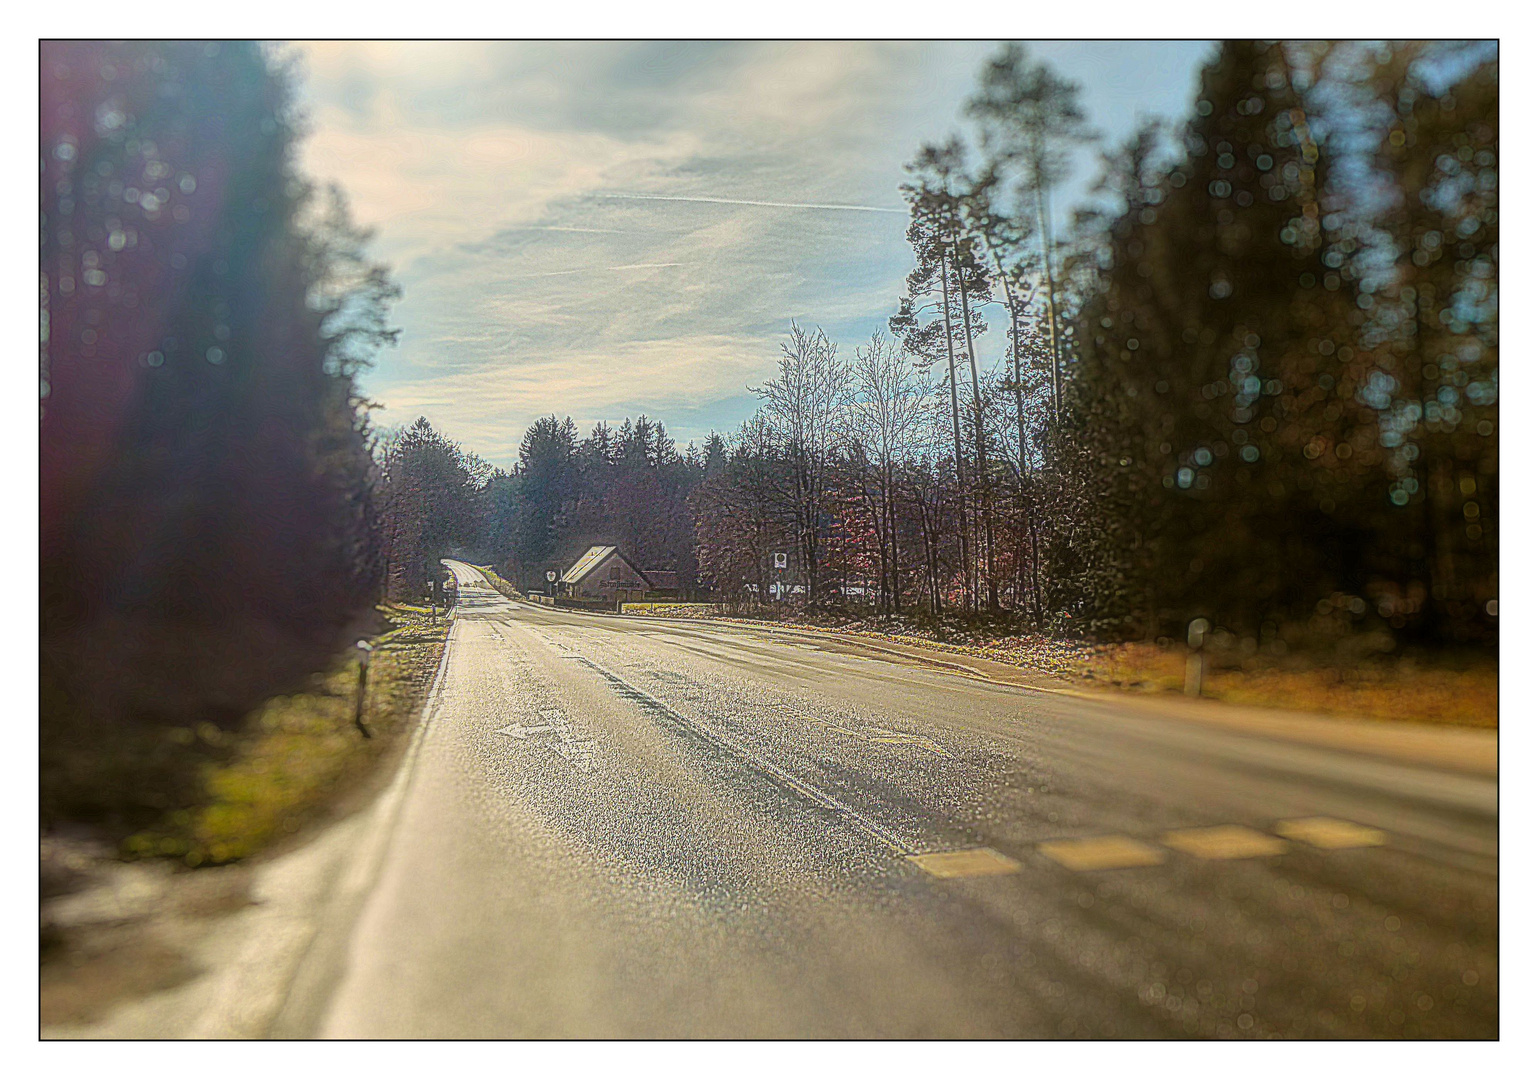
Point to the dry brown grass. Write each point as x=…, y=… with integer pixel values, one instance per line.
x=1464, y=694
x=501, y=584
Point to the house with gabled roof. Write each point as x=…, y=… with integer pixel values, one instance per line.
x=603, y=573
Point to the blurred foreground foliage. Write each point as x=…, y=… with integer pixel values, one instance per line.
x=208, y=535
x=1283, y=409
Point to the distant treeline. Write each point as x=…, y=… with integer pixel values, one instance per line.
x=628, y=486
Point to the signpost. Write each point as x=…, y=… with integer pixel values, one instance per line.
x=550, y=577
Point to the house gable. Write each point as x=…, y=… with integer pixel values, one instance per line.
x=603, y=571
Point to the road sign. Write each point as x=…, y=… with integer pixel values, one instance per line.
x=779, y=560
x=549, y=575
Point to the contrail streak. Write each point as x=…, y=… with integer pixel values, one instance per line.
x=565, y=228
x=596, y=269
x=759, y=202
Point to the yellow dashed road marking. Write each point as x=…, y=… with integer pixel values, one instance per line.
x=972, y=862
x=882, y=735
x=1225, y=842
x=1101, y=853
x=1323, y=832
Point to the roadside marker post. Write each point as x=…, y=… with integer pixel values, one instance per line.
x=1196, y=637
x=365, y=650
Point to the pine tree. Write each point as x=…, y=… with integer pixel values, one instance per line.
x=1211, y=359
x=1434, y=336
x=950, y=277
x=1031, y=118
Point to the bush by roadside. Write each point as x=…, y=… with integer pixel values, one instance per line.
x=673, y=610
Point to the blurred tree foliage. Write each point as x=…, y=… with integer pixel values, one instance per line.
x=1282, y=410
x=207, y=517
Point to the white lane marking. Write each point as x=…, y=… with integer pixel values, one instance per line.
x=1331, y=833
x=579, y=752
x=814, y=794
x=966, y=863
x=1101, y=853
x=516, y=731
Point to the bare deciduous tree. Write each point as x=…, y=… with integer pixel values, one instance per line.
x=802, y=408
x=885, y=410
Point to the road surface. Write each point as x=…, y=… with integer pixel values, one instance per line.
x=646, y=828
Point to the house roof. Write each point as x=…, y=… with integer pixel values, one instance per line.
x=588, y=563
x=591, y=560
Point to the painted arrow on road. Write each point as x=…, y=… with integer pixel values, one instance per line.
x=518, y=731
x=554, y=720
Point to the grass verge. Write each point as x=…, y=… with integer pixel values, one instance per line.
x=1463, y=691
x=501, y=584
x=299, y=758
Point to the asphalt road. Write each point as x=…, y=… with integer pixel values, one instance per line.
x=645, y=828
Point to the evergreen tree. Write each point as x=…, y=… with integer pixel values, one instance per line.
x=1211, y=359
x=1031, y=118
x=432, y=497
x=1433, y=334
x=546, y=493
x=950, y=279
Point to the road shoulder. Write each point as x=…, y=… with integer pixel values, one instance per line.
x=1466, y=750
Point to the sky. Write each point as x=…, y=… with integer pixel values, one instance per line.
x=604, y=229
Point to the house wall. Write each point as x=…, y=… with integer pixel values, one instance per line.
x=601, y=584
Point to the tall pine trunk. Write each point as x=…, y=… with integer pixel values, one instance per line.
x=984, y=479
x=961, y=473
